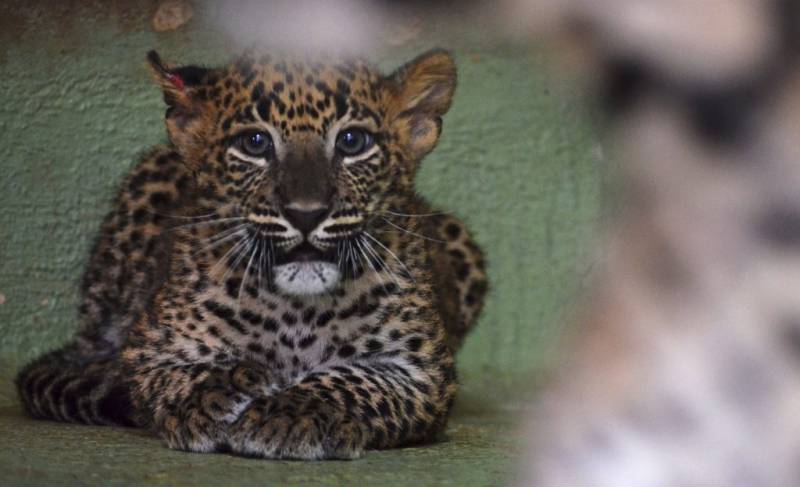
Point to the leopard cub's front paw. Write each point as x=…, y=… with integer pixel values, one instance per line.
x=270, y=432
x=201, y=423
x=202, y=426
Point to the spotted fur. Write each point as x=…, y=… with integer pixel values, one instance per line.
x=306, y=304
x=682, y=367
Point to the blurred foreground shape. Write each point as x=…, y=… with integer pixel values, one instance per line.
x=682, y=367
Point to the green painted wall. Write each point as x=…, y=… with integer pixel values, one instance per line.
x=76, y=106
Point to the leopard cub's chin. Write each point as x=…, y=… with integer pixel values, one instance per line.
x=307, y=278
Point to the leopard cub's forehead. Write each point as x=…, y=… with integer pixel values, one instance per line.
x=297, y=94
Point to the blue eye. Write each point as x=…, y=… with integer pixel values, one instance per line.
x=256, y=144
x=353, y=141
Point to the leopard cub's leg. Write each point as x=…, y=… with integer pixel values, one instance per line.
x=191, y=406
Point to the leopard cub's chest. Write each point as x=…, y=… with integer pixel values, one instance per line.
x=291, y=336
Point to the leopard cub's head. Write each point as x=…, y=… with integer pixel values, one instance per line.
x=305, y=154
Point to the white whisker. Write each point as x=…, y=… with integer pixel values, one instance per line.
x=271, y=255
x=363, y=244
x=384, y=265
x=242, y=241
x=339, y=253
x=208, y=222
x=351, y=254
x=262, y=251
x=220, y=238
x=421, y=215
x=240, y=254
x=182, y=217
x=246, y=275
x=413, y=233
x=410, y=275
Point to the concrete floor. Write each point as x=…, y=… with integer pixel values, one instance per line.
x=479, y=448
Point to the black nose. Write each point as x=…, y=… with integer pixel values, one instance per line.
x=305, y=220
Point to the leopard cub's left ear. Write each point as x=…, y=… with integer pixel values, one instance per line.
x=423, y=91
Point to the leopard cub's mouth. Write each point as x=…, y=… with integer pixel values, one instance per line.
x=305, y=252
x=306, y=270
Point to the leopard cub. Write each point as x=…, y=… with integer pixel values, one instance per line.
x=269, y=283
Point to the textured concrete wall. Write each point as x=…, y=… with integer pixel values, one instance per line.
x=76, y=107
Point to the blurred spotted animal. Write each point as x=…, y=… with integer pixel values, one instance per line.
x=683, y=366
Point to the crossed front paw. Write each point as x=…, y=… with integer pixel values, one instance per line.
x=201, y=421
x=244, y=412
x=203, y=426
x=274, y=428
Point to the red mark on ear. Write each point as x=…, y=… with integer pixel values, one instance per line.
x=176, y=80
